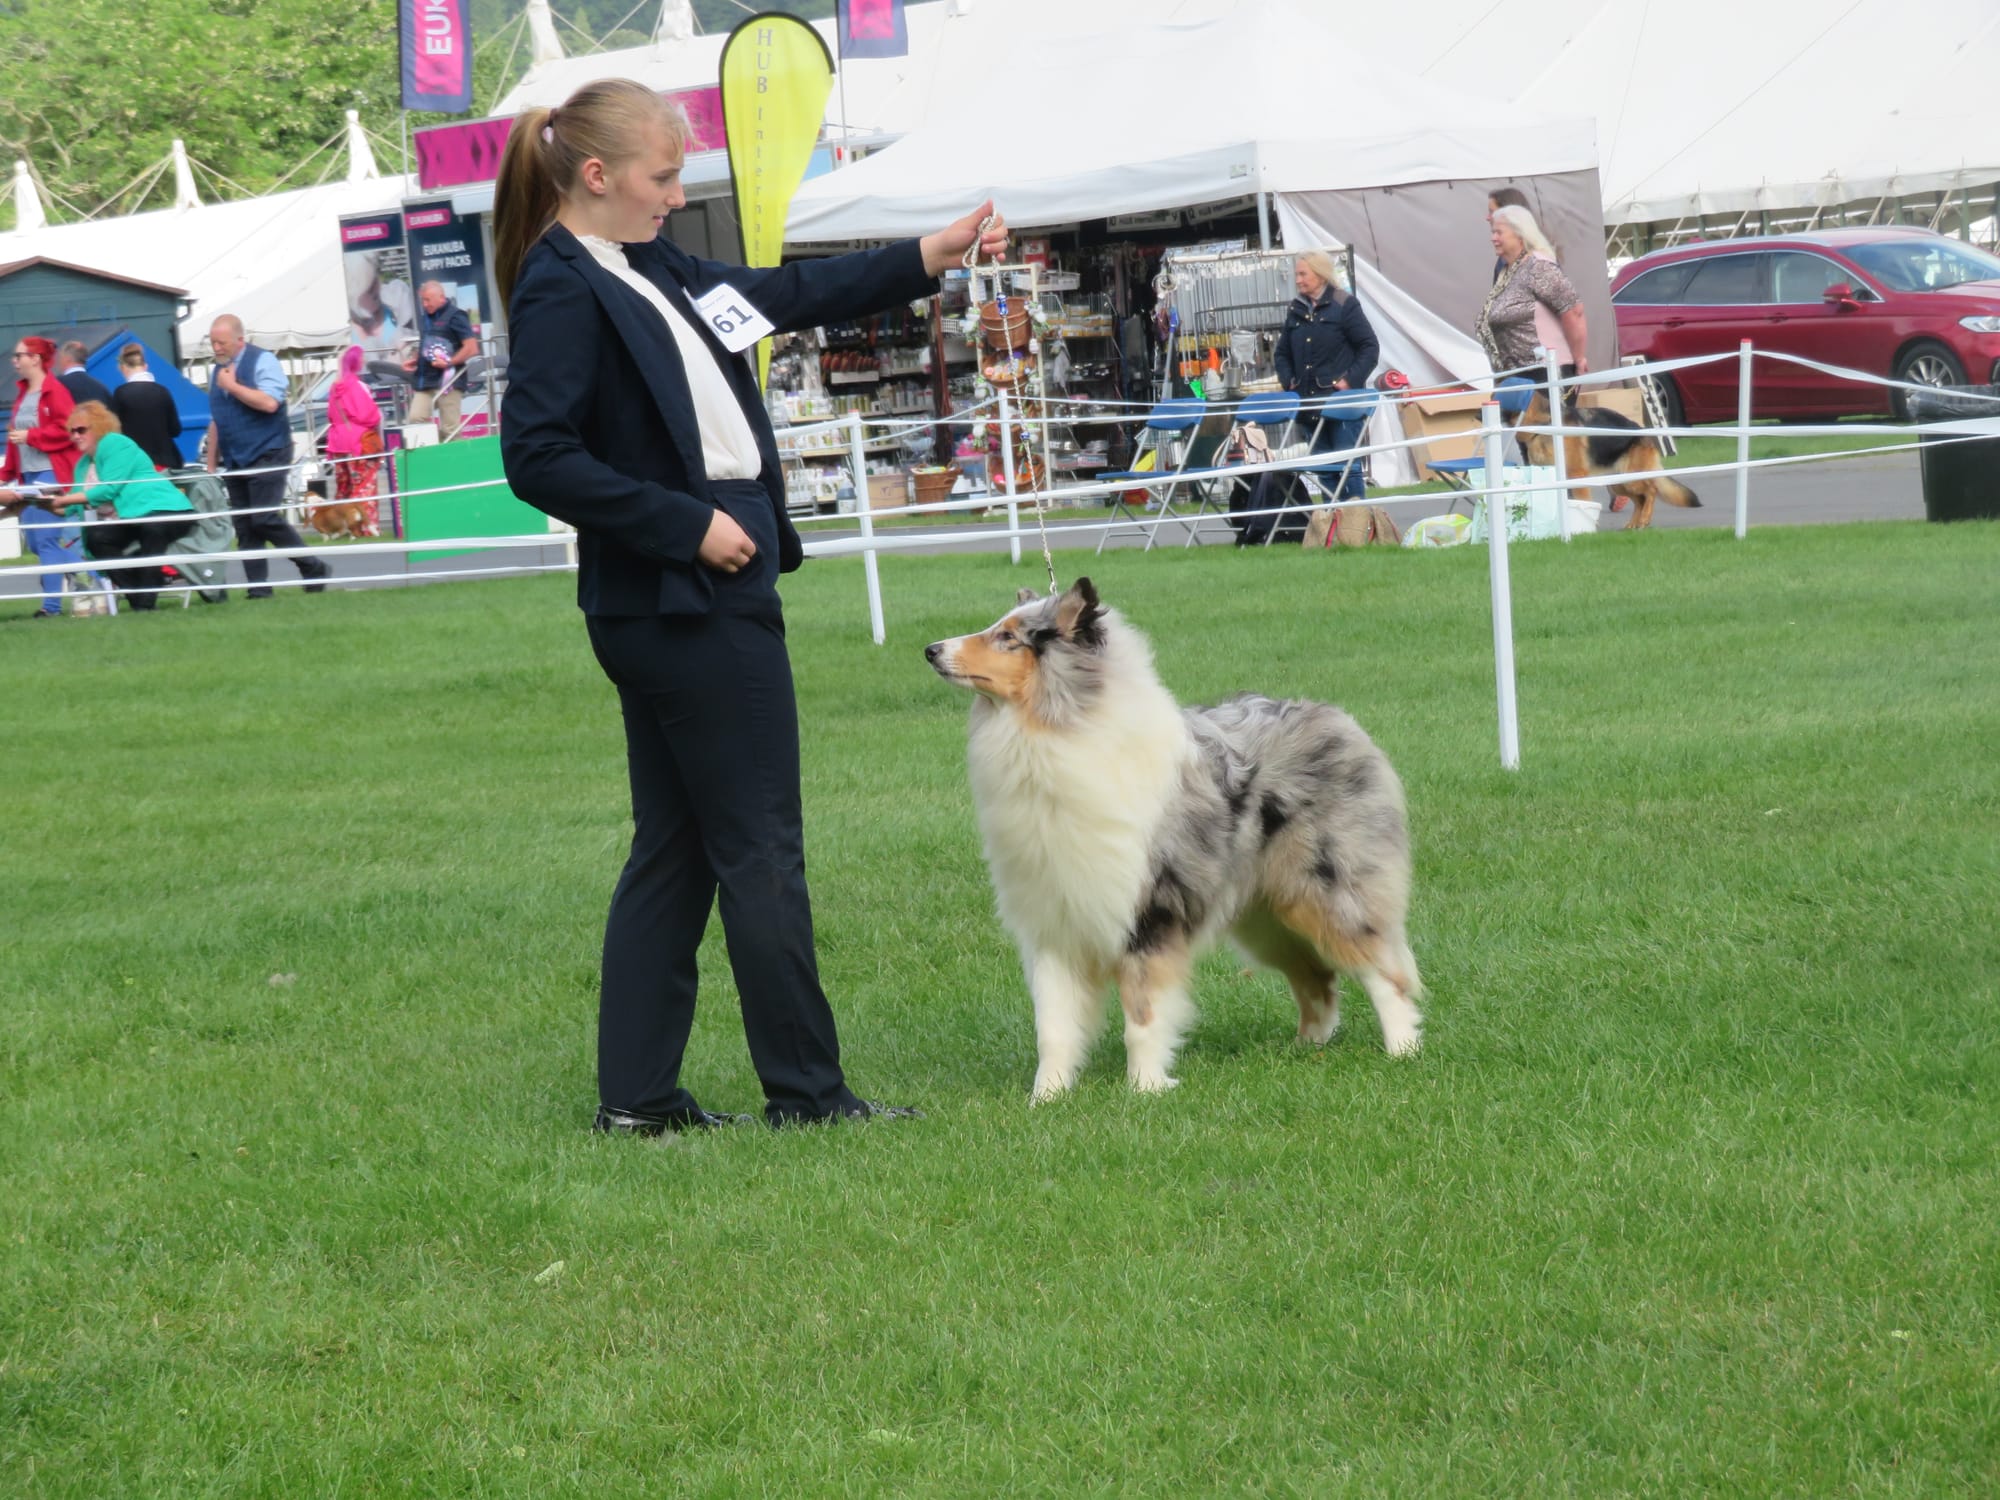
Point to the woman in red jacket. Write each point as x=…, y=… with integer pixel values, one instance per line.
x=40, y=452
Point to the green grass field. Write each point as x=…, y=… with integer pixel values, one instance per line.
x=1695, y=1188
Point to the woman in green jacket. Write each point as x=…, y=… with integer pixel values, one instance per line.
x=152, y=514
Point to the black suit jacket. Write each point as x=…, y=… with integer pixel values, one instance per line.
x=84, y=386
x=598, y=428
x=145, y=410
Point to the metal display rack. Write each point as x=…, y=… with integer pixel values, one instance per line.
x=1231, y=303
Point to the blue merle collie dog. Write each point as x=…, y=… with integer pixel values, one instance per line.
x=1124, y=833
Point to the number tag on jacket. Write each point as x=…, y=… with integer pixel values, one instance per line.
x=732, y=316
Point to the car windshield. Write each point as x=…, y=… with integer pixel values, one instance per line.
x=1924, y=265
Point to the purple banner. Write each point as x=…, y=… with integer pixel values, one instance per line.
x=436, y=41
x=872, y=28
x=453, y=155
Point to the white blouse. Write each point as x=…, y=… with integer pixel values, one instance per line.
x=728, y=445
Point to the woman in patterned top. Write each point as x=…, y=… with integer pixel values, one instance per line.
x=1532, y=303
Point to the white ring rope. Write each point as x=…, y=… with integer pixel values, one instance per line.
x=1941, y=432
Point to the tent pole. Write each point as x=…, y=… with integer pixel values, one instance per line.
x=1263, y=206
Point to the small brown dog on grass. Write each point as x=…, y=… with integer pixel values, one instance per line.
x=1610, y=444
x=339, y=518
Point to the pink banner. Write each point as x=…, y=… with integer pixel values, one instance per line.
x=454, y=155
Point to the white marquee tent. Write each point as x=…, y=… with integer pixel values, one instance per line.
x=1399, y=169
x=1706, y=107
x=1071, y=148
x=273, y=261
x=1702, y=107
x=882, y=96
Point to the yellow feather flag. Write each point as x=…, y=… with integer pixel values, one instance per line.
x=776, y=75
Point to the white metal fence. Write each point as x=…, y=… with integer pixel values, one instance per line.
x=1022, y=508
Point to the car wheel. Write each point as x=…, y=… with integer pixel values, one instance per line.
x=1670, y=400
x=1926, y=364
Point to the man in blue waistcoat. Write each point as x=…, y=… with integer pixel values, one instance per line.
x=249, y=429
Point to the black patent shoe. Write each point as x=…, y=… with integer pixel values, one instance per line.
x=611, y=1121
x=868, y=1109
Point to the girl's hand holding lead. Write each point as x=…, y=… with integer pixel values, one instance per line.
x=946, y=249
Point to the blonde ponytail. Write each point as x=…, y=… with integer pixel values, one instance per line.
x=524, y=199
x=545, y=154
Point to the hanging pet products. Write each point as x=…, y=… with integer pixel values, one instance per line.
x=1007, y=350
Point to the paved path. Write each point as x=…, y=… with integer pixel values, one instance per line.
x=1876, y=487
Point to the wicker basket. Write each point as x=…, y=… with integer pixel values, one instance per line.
x=932, y=486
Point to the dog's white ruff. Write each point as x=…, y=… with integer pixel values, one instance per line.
x=1069, y=819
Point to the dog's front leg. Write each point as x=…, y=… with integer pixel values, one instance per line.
x=1068, y=1010
x=1152, y=987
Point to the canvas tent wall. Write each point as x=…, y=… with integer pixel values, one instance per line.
x=1404, y=231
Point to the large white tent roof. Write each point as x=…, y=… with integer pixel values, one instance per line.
x=1289, y=105
x=1716, y=106
x=273, y=261
x=882, y=95
x=1701, y=107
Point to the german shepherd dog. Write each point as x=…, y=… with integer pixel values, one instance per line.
x=1614, y=444
x=1125, y=833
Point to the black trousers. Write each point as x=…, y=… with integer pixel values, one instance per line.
x=139, y=586
x=265, y=493
x=712, y=747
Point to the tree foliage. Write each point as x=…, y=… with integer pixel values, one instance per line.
x=94, y=92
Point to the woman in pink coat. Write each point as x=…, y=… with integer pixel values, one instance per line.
x=354, y=437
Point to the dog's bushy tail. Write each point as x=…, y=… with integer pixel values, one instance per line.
x=1675, y=493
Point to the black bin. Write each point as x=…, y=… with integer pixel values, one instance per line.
x=1961, y=474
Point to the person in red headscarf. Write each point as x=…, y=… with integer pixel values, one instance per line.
x=354, y=437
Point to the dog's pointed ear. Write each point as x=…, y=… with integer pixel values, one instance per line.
x=1026, y=596
x=1079, y=615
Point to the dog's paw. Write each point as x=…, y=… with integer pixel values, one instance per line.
x=1050, y=1086
x=1404, y=1042
x=1153, y=1083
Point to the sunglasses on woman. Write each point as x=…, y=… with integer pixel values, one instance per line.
x=79, y=432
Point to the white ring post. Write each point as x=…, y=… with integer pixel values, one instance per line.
x=1562, y=458
x=1743, y=440
x=857, y=451
x=1503, y=599
x=1007, y=468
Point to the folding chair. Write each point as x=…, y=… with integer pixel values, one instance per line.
x=1277, y=413
x=1514, y=393
x=1357, y=405
x=1180, y=415
x=212, y=533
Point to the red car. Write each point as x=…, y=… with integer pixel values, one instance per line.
x=1905, y=303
